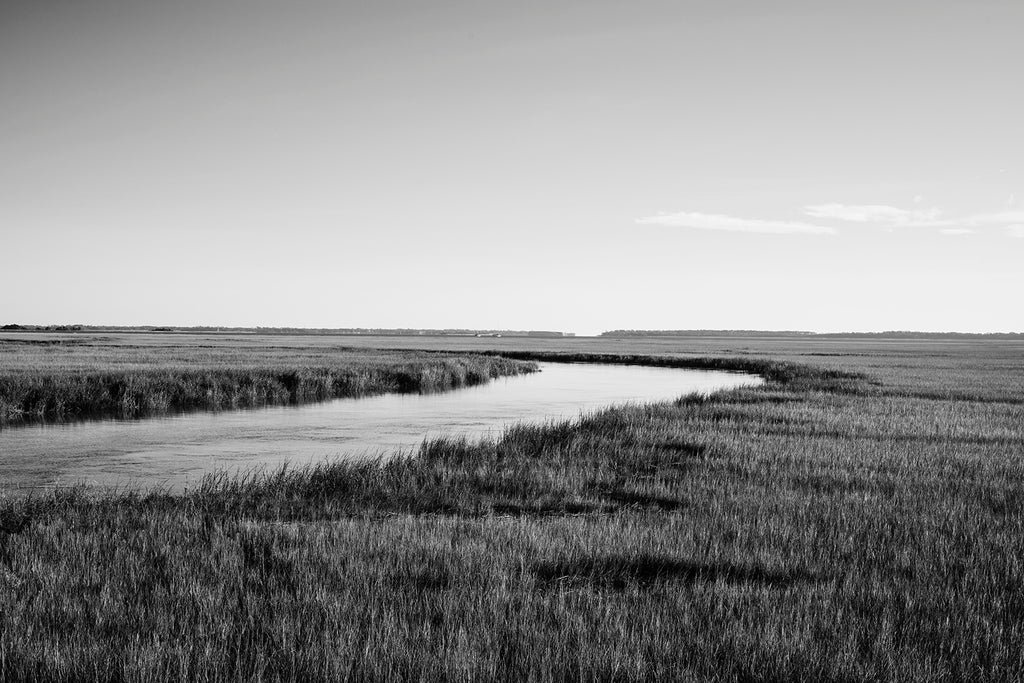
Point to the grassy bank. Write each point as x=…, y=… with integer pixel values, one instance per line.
x=44, y=380
x=848, y=520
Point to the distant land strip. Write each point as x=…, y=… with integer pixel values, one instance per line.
x=890, y=334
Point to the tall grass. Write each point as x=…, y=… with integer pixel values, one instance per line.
x=832, y=524
x=83, y=384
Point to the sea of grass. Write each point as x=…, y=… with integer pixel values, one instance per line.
x=858, y=517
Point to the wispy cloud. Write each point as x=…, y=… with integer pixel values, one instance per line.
x=895, y=217
x=999, y=218
x=710, y=221
x=875, y=213
x=1012, y=221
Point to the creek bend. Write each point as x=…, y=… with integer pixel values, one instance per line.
x=176, y=451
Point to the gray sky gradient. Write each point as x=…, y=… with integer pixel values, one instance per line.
x=573, y=165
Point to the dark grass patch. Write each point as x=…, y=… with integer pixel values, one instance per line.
x=761, y=398
x=427, y=578
x=13, y=520
x=1003, y=503
x=684, y=449
x=42, y=342
x=619, y=573
x=625, y=497
x=549, y=509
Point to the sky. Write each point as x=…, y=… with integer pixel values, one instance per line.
x=578, y=166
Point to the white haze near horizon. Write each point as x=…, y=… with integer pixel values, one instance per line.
x=576, y=166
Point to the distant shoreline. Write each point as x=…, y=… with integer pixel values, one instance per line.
x=892, y=334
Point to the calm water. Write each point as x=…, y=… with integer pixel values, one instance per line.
x=178, y=450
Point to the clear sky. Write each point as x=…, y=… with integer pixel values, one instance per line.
x=566, y=165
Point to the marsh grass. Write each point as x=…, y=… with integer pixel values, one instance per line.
x=828, y=525
x=41, y=380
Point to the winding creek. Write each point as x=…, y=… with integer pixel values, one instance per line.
x=176, y=451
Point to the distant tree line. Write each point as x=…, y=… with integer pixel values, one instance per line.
x=43, y=328
x=376, y=331
x=408, y=332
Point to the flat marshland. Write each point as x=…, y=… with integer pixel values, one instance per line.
x=858, y=517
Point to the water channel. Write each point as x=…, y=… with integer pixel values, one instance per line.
x=176, y=451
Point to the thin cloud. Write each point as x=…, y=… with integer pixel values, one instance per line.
x=709, y=221
x=1012, y=221
x=895, y=217
x=1008, y=218
x=875, y=213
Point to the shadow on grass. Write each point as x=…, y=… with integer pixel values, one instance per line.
x=528, y=510
x=618, y=573
x=636, y=499
x=684, y=449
